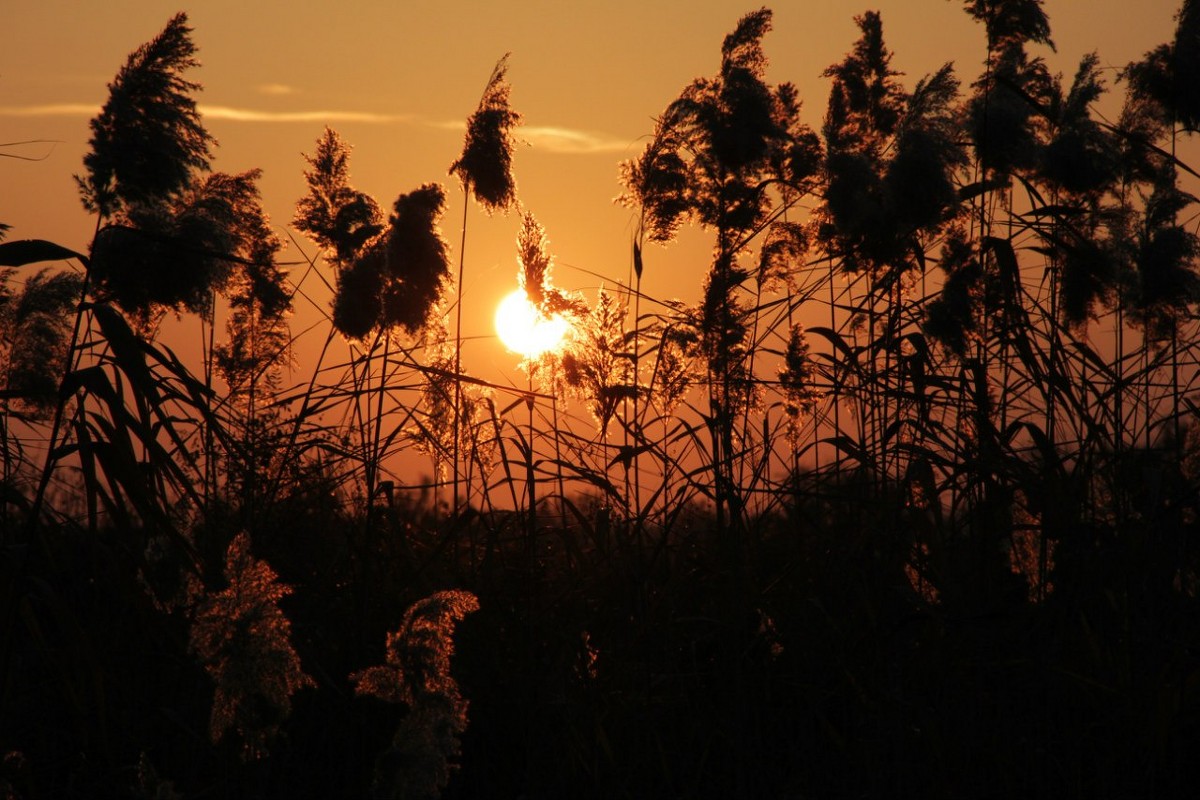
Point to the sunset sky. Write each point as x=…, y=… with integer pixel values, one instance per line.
x=398, y=80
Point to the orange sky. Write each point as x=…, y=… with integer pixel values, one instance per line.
x=398, y=79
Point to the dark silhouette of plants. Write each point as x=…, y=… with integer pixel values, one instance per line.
x=485, y=169
x=416, y=675
x=1080, y=157
x=1164, y=74
x=35, y=331
x=395, y=282
x=251, y=363
x=174, y=255
x=1166, y=281
x=148, y=140
x=397, y=278
x=891, y=166
x=243, y=639
x=389, y=274
x=1160, y=255
x=596, y=366
x=147, y=149
x=715, y=152
x=390, y=277
x=338, y=218
x=258, y=340
x=149, y=786
x=1007, y=21
x=957, y=317
x=432, y=430
x=798, y=379
x=170, y=234
x=145, y=180
x=35, y=321
x=913, y=485
x=1001, y=120
x=485, y=166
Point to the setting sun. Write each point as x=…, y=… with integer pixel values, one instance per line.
x=524, y=330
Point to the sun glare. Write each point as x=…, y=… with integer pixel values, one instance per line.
x=524, y=330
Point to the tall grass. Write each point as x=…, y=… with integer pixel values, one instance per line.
x=925, y=438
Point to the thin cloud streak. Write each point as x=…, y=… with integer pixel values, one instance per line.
x=257, y=115
x=551, y=139
x=276, y=89
x=54, y=110
x=219, y=112
x=568, y=141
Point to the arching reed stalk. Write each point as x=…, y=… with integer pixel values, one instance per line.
x=484, y=170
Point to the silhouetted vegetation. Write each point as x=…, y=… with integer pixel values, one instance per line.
x=907, y=505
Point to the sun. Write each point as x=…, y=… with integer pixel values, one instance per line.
x=524, y=330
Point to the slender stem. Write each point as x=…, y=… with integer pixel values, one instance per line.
x=837, y=382
x=637, y=473
x=458, y=306
x=376, y=455
x=35, y=508
x=207, y=323
x=531, y=486
x=562, y=491
x=7, y=468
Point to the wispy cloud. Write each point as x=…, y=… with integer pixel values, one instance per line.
x=566, y=140
x=332, y=115
x=550, y=139
x=219, y=112
x=53, y=110
x=276, y=89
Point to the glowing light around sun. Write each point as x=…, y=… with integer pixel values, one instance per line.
x=524, y=330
